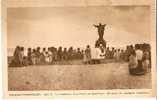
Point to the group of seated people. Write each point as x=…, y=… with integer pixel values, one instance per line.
x=44, y=56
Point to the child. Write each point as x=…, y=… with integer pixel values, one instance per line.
x=25, y=61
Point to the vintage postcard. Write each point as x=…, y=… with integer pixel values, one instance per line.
x=79, y=48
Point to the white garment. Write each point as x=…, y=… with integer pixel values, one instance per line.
x=117, y=55
x=22, y=54
x=50, y=56
x=96, y=52
x=139, y=54
x=47, y=59
x=84, y=57
x=44, y=53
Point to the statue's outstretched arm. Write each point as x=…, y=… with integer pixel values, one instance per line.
x=95, y=25
x=104, y=25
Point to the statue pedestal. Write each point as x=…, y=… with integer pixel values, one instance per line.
x=100, y=41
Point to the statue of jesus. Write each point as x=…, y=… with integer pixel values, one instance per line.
x=101, y=29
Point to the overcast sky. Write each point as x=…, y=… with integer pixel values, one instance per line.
x=73, y=26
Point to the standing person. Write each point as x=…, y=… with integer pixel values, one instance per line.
x=16, y=58
x=65, y=54
x=122, y=55
x=33, y=56
x=29, y=56
x=55, y=54
x=112, y=53
x=38, y=54
x=22, y=52
x=70, y=53
x=84, y=57
x=44, y=51
x=42, y=56
x=133, y=63
x=117, y=55
x=82, y=51
x=139, y=55
x=145, y=60
x=107, y=53
x=78, y=53
x=74, y=54
x=88, y=54
x=21, y=55
x=59, y=53
x=47, y=58
x=50, y=56
x=127, y=54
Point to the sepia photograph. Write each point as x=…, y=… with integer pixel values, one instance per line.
x=79, y=48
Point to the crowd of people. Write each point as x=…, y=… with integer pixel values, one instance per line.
x=44, y=55
x=139, y=59
x=99, y=52
x=137, y=56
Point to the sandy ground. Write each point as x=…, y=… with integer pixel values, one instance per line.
x=75, y=77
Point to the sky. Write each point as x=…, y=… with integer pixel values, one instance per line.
x=73, y=26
